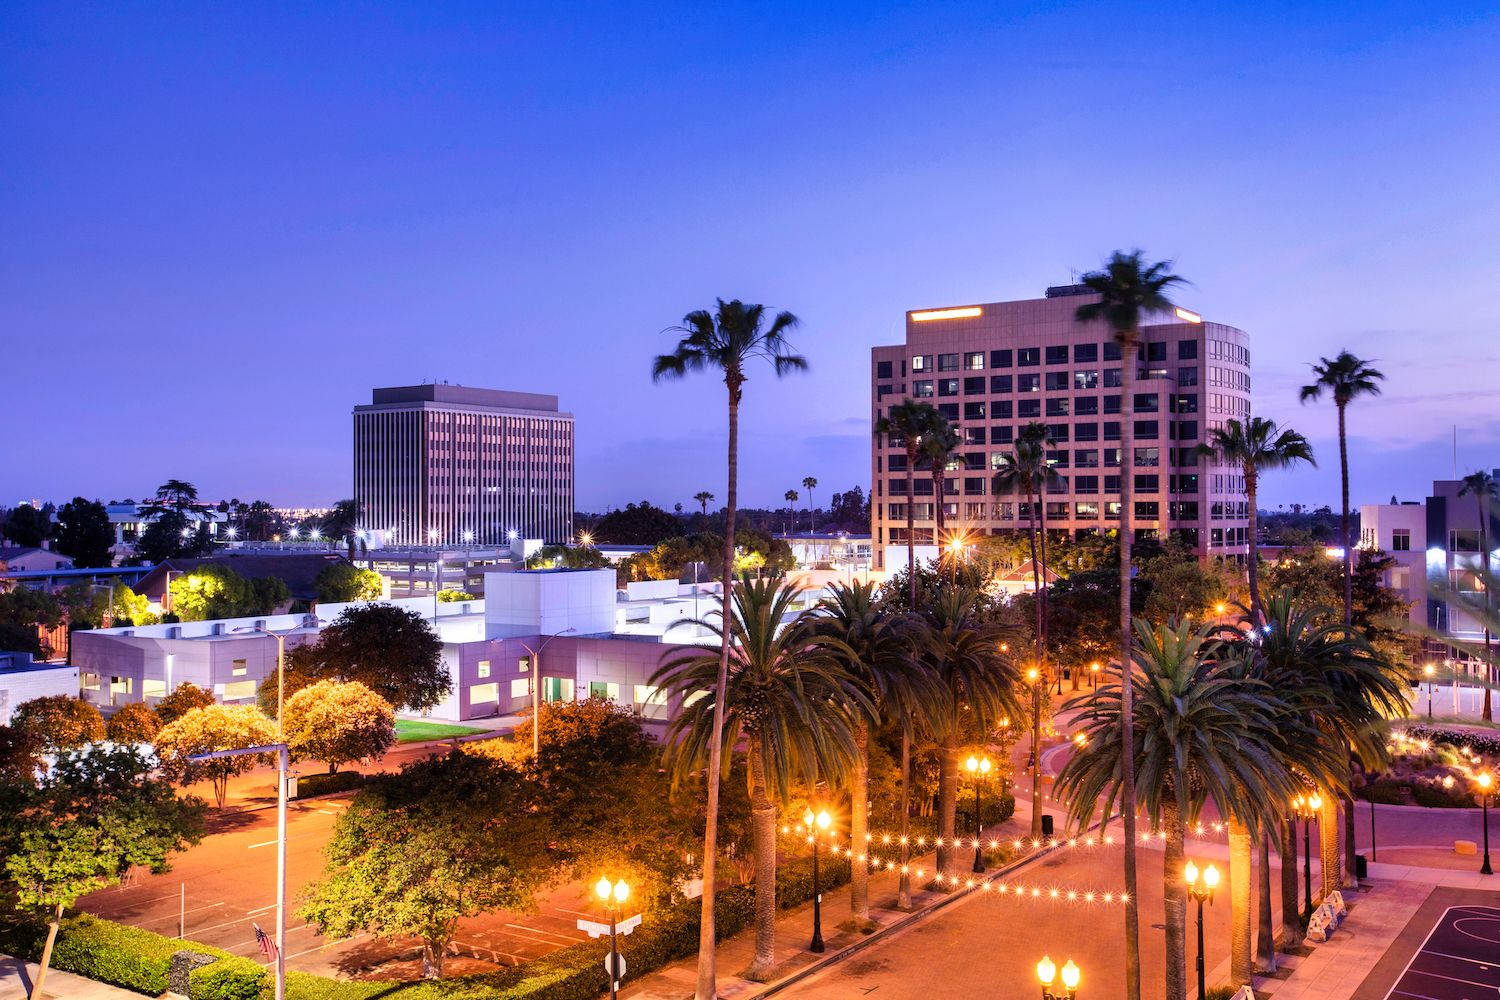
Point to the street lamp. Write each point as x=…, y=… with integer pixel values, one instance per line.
x=613, y=895
x=1046, y=971
x=1485, y=781
x=1307, y=806
x=536, y=693
x=817, y=822
x=1427, y=669
x=1201, y=888
x=979, y=767
x=1094, y=674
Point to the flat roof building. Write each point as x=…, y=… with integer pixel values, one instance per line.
x=993, y=368
x=449, y=464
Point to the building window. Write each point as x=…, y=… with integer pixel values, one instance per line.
x=1111, y=350
x=1086, y=458
x=1085, y=406
x=1058, y=459
x=974, y=385
x=1085, y=352
x=974, y=435
x=1463, y=540
x=605, y=690
x=947, y=387
x=1057, y=406
x=1187, y=376
x=645, y=694
x=1111, y=430
x=1057, y=381
x=1057, y=432
x=1187, y=350
x=921, y=363
x=1086, y=484
x=949, y=411
x=1086, y=431
x=149, y=688
x=883, y=369
x=1002, y=409
x=524, y=664
x=1112, y=378
x=558, y=689
x=1028, y=357
x=1000, y=359
x=1029, y=408
x=1147, y=430
x=484, y=694
x=1156, y=350
x=1028, y=383
x=1086, y=379
x=1086, y=509
x=921, y=389
x=973, y=486
x=974, y=361
x=1057, y=355
x=1147, y=402
x=1147, y=483
x=238, y=668
x=999, y=384
x=1147, y=509
x=1401, y=540
x=520, y=688
x=483, y=669
x=235, y=690
x=947, y=362
x=1147, y=457
x=1001, y=433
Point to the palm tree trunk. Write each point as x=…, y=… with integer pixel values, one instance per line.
x=911, y=531
x=1174, y=903
x=707, y=986
x=939, y=519
x=903, y=885
x=1252, y=530
x=1239, y=903
x=1128, y=340
x=1265, y=943
x=1036, y=687
x=763, y=836
x=1291, y=906
x=1351, y=845
x=1041, y=594
x=859, y=825
x=1329, y=844
x=947, y=853
x=1344, y=520
x=53, y=926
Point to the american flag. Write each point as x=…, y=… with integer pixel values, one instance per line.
x=267, y=946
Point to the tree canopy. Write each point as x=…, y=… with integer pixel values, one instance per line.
x=214, y=727
x=341, y=582
x=214, y=591
x=336, y=722
x=392, y=651
x=27, y=526
x=637, y=524
x=58, y=722
x=84, y=533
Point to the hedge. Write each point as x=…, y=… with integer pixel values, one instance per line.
x=323, y=784
x=1486, y=743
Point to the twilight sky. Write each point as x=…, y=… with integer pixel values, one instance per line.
x=221, y=226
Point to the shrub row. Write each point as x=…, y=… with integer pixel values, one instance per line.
x=1481, y=743
x=323, y=784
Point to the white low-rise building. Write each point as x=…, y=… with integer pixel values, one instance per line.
x=22, y=679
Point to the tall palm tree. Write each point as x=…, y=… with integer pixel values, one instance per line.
x=725, y=341
x=790, y=696
x=791, y=507
x=911, y=422
x=878, y=656
x=1201, y=729
x=1128, y=289
x=704, y=498
x=938, y=448
x=959, y=641
x=810, y=483
x=1485, y=490
x=1345, y=378
x=1026, y=471
x=1255, y=446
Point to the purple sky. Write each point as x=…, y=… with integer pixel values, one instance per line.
x=219, y=229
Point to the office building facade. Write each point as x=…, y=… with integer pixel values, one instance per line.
x=450, y=465
x=993, y=368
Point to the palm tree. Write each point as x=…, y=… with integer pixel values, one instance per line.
x=1485, y=490
x=1256, y=446
x=725, y=341
x=938, y=448
x=1346, y=378
x=810, y=483
x=959, y=642
x=878, y=656
x=1201, y=729
x=791, y=509
x=790, y=696
x=1128, y=288
x=911, y=422
x=704, y=498
x=1026, y=471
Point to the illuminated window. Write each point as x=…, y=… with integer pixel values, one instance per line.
x=483, y=669
x=238, y=669
x=150, y=688
x=483, y=694
x=520, y=688
x=236, y=690
x=524, y=664
x=645, y=694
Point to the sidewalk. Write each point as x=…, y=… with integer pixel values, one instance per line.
x=16, y=978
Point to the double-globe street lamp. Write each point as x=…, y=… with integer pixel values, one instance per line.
x=979, y=770
x=1200, y=886
x=1307, y=806
x=1485, y=781
x=1047, y=971
x=815, y=822
x=613, y=894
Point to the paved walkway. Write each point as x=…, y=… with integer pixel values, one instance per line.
x=16, y=978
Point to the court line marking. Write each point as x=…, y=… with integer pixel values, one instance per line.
x=1441, y=920
x=1461, y=958
x=1452, y=979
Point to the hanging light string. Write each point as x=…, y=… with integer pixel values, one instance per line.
x=1017, y=844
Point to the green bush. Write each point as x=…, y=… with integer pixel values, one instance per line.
x=794, y=878
x=230, y=978
x=323, y=784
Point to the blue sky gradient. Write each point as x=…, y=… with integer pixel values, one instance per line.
x=221, y=226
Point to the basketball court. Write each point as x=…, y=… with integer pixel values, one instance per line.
x=1458, y=960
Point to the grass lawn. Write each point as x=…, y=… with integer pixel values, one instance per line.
x=416, y=730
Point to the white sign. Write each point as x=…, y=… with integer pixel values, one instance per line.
x=1245, y=993
x=617, y=972
x=1320, y=926
x=1335, y=901
x=595, y=928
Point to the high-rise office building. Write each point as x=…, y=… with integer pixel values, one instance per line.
x=449, y=464
x=993, y=368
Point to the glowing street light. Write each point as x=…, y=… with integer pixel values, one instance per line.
x=979, y=768
x=1485, y=781
x=1094, y=674
x=1047, y=973
x=613, y=895
x=1307, y=807
x=815, y=822
x=1428, y=671
x=1201, y=888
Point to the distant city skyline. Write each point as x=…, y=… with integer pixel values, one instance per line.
x=222, y=227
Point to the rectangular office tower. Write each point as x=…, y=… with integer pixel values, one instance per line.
x=991, y=369
x=449, y=465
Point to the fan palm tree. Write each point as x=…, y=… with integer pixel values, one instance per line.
x=810, y=483
x=1485, y=490
x=1201, y=729
x=1345, y=378
x=1256, y=446
x=1128, y=289
x=910, y=422
x=725, y=341
x=790, y=696
x=704, y=498
x=958, y=640
x=1026, y=471
x=938, y=448
x=791, y=507
x=878, y=656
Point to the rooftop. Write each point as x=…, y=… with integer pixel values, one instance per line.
x=463, y=395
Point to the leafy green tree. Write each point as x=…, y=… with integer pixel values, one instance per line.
x=792, y=699
x=175, y=494
x=84, y=533
x=908, y=424
x=181, y=700
x=1179, y=585
x=342, y=521
x=215, y=727
x=135, y=722
x=22, y=611
x=568, y=557
x=58, y=722
x=171, y=535
x=416, y=852
x=1485, y=490
x=342, y=582
x=392, y=651
x=27, y=526
x=1128, y=289
x=96, y=814
x=336, y=722
x=216, y=591
x=450, y=596
x=637, y=524
x=1345, y=378
x=725, y=342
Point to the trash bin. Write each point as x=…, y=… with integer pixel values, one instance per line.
x=1046, y=824
x=291, y=785
x=1361, y=867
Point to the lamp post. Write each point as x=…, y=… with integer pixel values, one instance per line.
x=1427, y=669
x=536, y=692
x=1094, y=675
x=817, y=822
x=979, y=767
x=280, y=666
x=1307, y=806
x=1047, y=971
x=613, y=895
x=1485, y=781
x=1201, y=887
